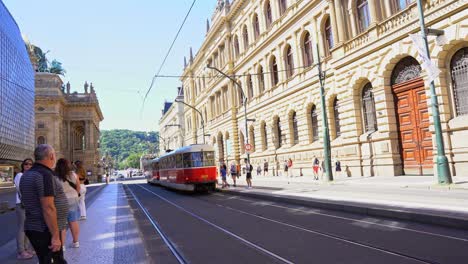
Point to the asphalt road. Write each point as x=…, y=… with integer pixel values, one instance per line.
x=220, y=228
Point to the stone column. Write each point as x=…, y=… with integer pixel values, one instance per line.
x=86, y=135
x=340, y=20
x=336, y=38
x=352, y=17
x=388, y=8
x=373, y=12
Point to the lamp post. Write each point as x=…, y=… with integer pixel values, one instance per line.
x=443, y=171
x=326, y=132
x=201, y=116
x=245, y=104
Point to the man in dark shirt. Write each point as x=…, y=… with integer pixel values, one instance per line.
x=46, y=206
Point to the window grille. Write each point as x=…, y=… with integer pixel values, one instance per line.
x=337, y=118
x=368, y=104
x=459, y=69
x=295, y=129
x=314, y=121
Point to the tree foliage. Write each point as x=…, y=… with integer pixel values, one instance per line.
x=126, y=146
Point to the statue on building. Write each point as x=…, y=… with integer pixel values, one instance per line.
x=92, y=88
x=68, y=87
x=86, y=87
x=220, y=5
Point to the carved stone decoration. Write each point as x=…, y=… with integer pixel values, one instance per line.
x=407, y=69
x=86, y=87
x=92, y=88
x=68, y=87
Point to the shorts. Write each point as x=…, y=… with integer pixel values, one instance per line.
x=265, y=169
x=316, y=169
x=73, y=215
x=249, y=175
x=233, y=174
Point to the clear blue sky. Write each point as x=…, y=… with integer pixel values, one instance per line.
x=117, y=45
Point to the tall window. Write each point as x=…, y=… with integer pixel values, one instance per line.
x=236, y=46
x=239, y=95
x=314, y=123
x=282, y=6
x=363, y=15
x=289, y=62
x=274, y=71
x=268, y=14
x=250, y=90
x=307, y=50
x=459, y=70
x=336, y=116
x=242, y=142
x=245, y=36
x=41, y=140
x=252, y=137
x=328, y=36
x=264, y=136
x=278, y=133
x=256, y=27
x=368, y=105
x=261, y=80
x=295, y=129
x=402, y=4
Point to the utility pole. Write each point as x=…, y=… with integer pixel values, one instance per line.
x=443, y=171
x=326, y=132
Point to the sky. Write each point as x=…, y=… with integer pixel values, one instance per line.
x=118, y=45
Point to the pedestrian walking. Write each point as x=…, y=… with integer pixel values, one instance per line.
x=238, y=167
x=81, y=173
x=324, y=169
x=71, y=187
x=259, y=170
x=285, y=168
x=223, y=170
x=265, y=167
x=24, y=248
x=290, y=165
x=337, y=168
x=233, y=171
x=315, y=167
x=46, y=206
x=248, y=172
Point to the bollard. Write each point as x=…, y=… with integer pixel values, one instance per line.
x=301, y=172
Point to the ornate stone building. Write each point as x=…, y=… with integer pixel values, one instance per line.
x=377, y=96
x=69, y=121
x=172, y=125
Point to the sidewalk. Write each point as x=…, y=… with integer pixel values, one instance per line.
x=109, y=235
x=415, y=198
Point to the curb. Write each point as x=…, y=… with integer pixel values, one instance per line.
x=407, y=214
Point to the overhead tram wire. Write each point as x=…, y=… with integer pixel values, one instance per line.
x=167, y=55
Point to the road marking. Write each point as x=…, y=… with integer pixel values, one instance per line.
x=357, y=220
x=220, y=228
x=156, y=226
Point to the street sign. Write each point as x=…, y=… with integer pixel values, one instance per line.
x=248, y=148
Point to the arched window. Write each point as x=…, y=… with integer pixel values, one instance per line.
x=401, y=4
x=459, y=70
x=279, y=136
x=289, y=61
x=282, y=6
x=41, y=140
x=236, y=46
x=363, y=15
x=245, y=36
x=314, y=124
x=239, y=96
x=406, y=69
x=252, y=137
x=336, y=116
x=268, y=14
x=307, y=50
x=368, y=109
x=242, y=142
x=274, y=71
x=328, y=36
x=256, y=27
x=250, y=90
x=264, y=136
x=295, y=130
x=261, y=80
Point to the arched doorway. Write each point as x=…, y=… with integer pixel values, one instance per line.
x=412, y=117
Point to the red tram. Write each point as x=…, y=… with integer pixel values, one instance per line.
x=189, y=168
x=151, y=171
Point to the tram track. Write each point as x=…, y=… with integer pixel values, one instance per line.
x=303, y=229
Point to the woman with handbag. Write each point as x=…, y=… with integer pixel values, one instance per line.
x=81, y=173
x=71, y=188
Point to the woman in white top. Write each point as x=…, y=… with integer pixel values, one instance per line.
x=24, y=248
x=71, y=188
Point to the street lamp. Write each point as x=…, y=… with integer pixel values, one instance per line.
x=443, y=171
x=326, y=132
x=245, y=104
x=201, y=116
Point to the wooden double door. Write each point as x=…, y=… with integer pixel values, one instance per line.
x=413, y=127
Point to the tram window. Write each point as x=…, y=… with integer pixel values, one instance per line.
x=187, y=160
x=197, y=159
x=179, y=161
x=208, y=159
